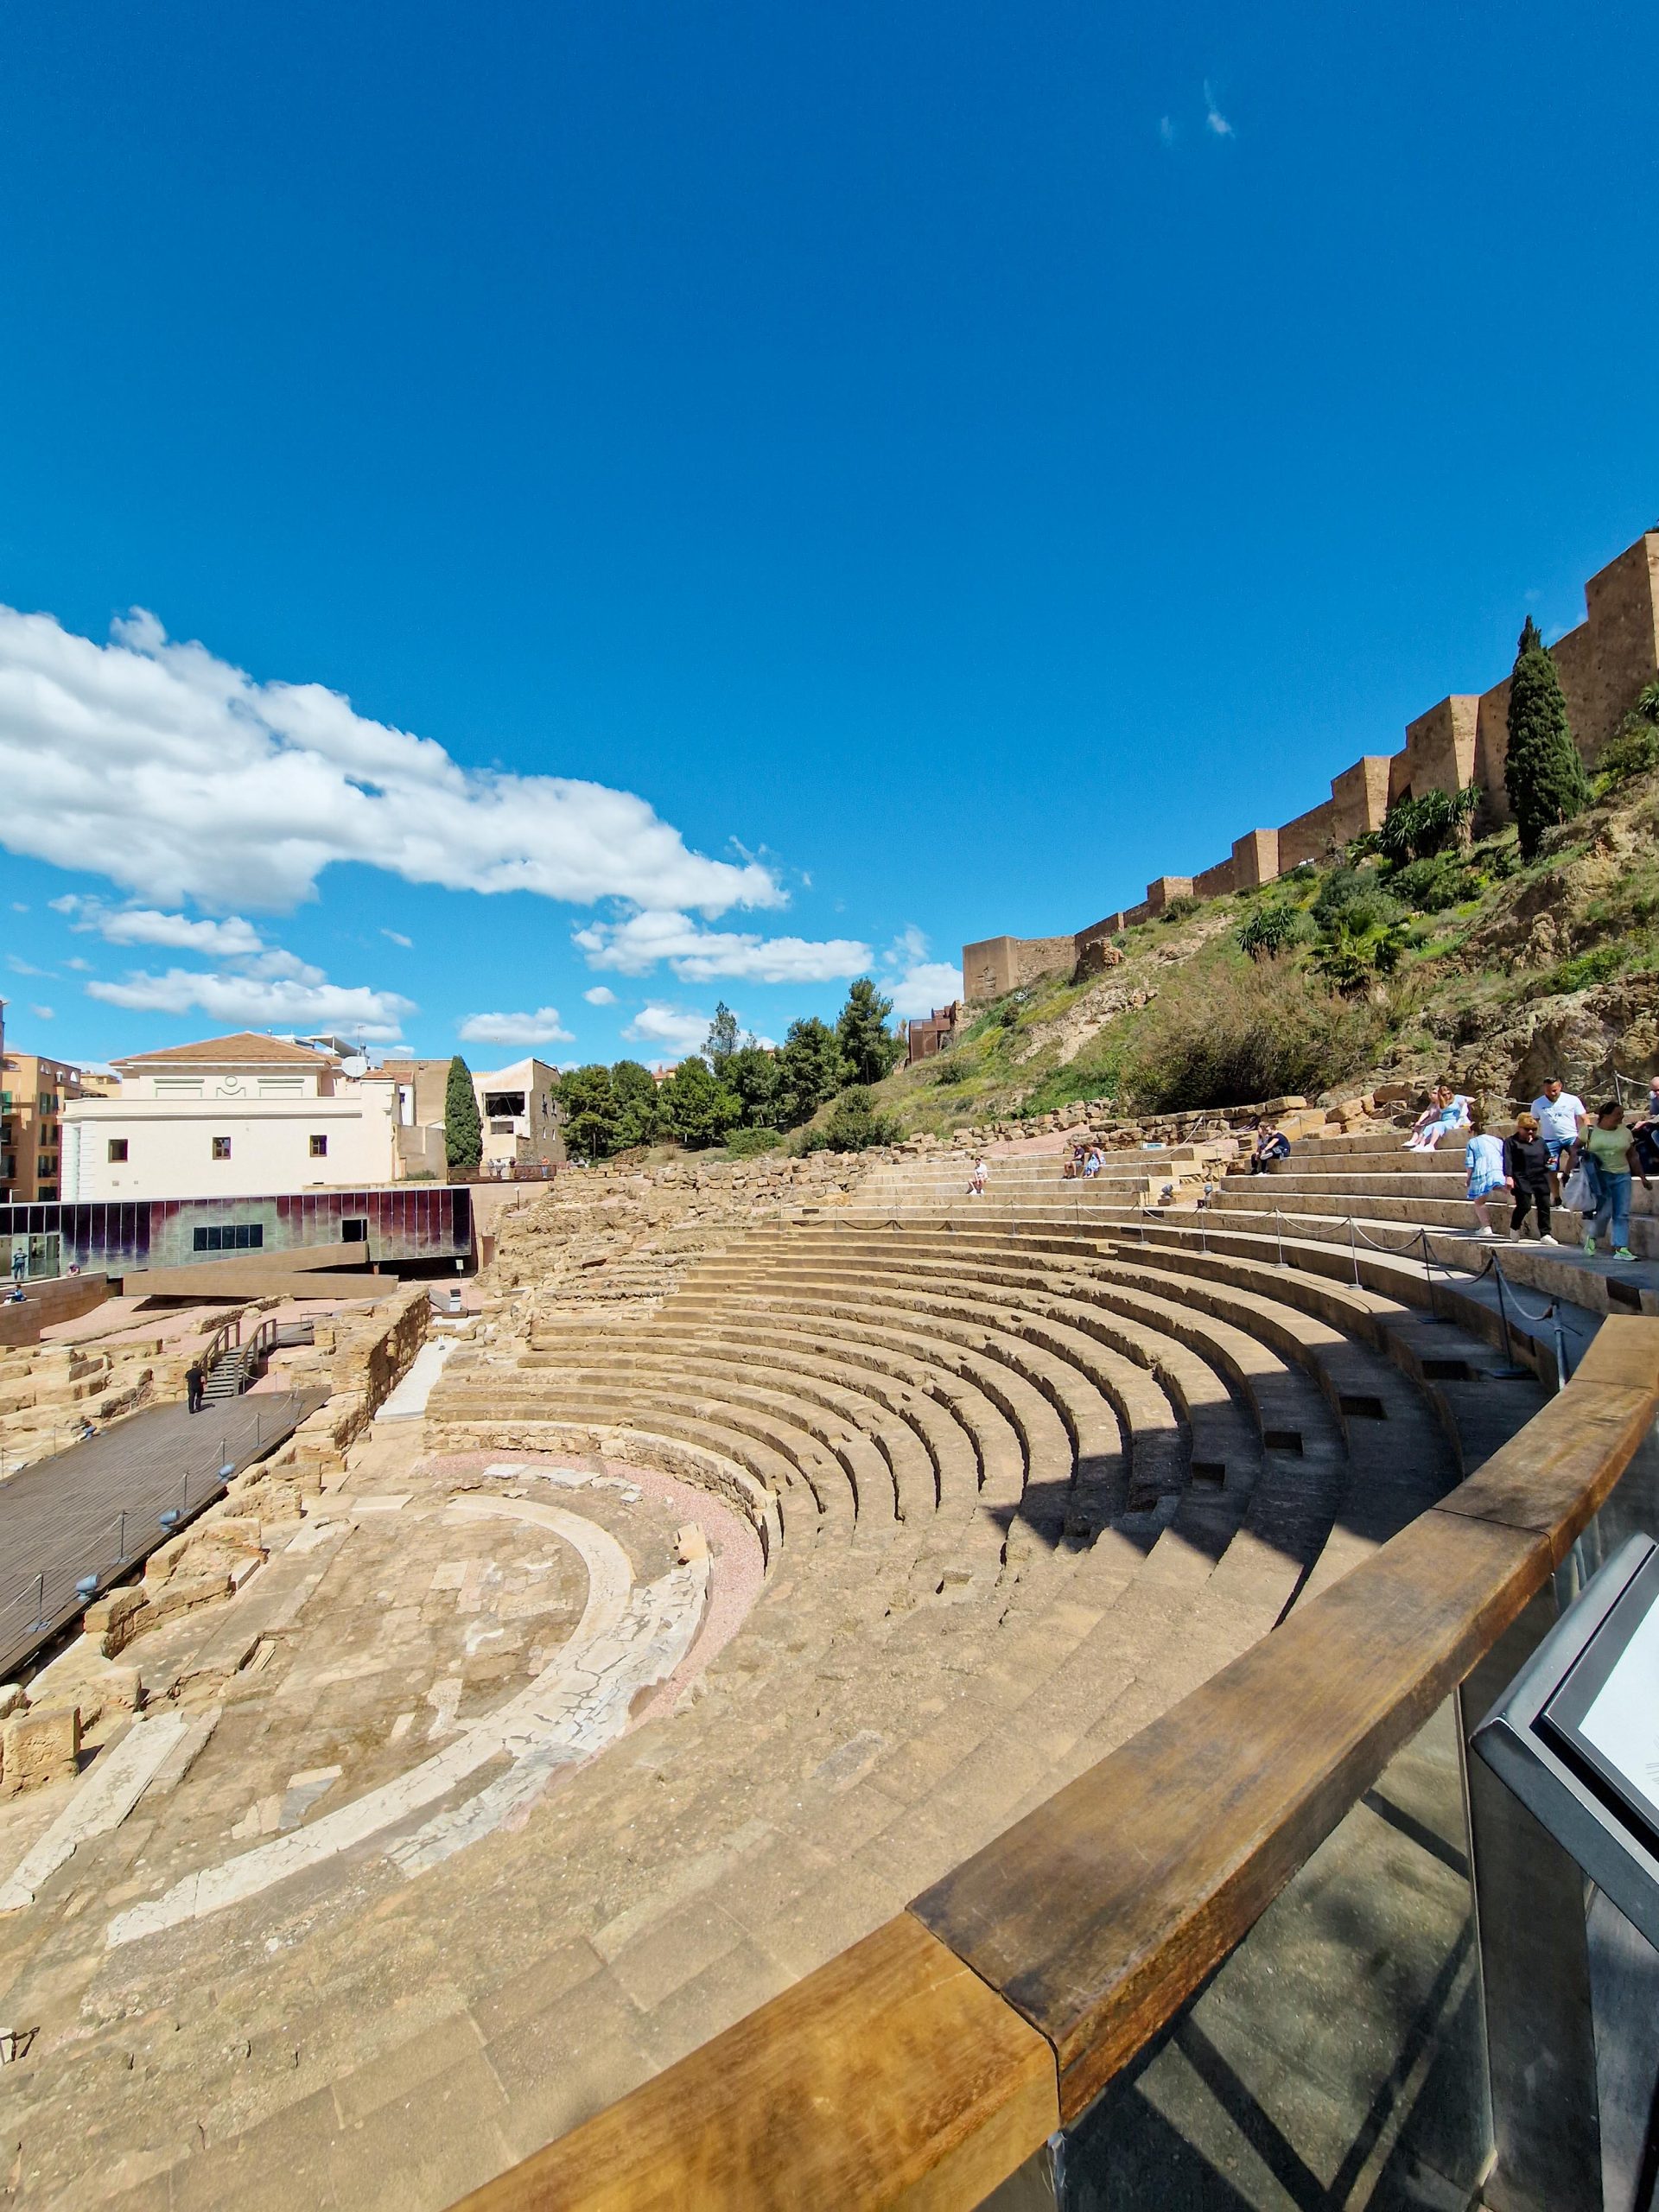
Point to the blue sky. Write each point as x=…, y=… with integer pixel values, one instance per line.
x=771, y=482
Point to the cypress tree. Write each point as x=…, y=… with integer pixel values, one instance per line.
x=463, y=1133
x=1542, y=773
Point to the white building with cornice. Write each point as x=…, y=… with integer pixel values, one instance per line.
x=242, y=1117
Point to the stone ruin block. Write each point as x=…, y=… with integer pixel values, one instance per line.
x=114, y=1620
x=39, y=1746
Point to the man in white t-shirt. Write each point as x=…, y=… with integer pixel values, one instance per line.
x=1559, y=1113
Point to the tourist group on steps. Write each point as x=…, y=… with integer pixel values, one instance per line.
x=1560, y=1154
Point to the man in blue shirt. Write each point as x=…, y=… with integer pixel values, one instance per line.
x=1559, y=1113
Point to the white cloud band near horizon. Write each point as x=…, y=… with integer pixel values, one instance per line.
x=306, y=1002
x=696, y=955
x=542, y=1027
x=180, y=777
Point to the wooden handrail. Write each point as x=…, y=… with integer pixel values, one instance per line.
x=925, y=2063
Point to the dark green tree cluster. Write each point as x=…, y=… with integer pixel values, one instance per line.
x=739, y=1087
x=1542, y=773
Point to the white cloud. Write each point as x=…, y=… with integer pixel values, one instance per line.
x=397, y=937
x=1165, y=131
x=307, y=1003
x=24, y=967
x=676, y=1026
x=227, y=940
x=541, y=1027
x=178, y=776
x=43, y=1013
x=601, y=994
x=699, y=956
x=81, y=967
x=1214, y=120
x=915, y=983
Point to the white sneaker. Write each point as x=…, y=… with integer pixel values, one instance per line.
x=1490, y=1234
x=1546, y=1240
x=1514, y=1237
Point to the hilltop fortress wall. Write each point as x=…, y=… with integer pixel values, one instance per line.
x=1602, y=664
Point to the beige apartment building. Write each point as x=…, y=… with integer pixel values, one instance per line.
x=34, y=1091
x=518, y=1107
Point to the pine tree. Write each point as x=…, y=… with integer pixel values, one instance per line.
x=868, y=1045
x=590, y=1114
x=1542, y=773
x=463, y=1133
x=722, y=1041
x=809, y=1070
x=698, y=1110
x=634, y=1088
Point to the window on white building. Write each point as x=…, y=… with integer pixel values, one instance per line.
x=117, y=1151
x=221, y=1147
x=320, y=1147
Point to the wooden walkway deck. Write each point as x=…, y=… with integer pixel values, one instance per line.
x=95, y=1508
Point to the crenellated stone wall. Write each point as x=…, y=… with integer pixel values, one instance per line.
x=1462, y=740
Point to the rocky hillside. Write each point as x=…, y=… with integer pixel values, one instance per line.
x=1468, y=964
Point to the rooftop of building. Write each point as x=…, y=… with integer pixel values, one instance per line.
x=247, y=1048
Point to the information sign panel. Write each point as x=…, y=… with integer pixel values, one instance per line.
x=1576, y=1734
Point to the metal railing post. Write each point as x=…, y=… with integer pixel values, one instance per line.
x=1353, y=1247
x=1509, y=1368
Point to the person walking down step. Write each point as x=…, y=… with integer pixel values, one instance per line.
x=193, y=1380
x=1610, y=1149
x=1559, y=1113
x=1526, y=1163
x=1484, y=1158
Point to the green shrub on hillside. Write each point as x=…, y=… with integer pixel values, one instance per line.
x=1432, y=885
x=853, y=1125
x=951, y=1070
x=1417, y=828
x=1631, y=751
x=1180, y=909
x=1585, y=968
x=748, y=1144
x=1351, y=953
x=1355, y=897
x=1270, y=931
x=1230, y=1034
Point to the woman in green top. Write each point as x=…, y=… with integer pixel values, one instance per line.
x=1610, y=1149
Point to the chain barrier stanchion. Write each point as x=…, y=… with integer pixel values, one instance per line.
x=1563, y=1372
x=1353, y=1247
x=1279, y=1235
x=1509, y=1372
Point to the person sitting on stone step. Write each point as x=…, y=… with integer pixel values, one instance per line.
x=1271, y=1144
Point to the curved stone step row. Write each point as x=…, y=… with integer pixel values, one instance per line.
x=1290, y=1506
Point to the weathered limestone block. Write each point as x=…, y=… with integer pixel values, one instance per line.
x=184, y=1593
x=14, y=1698
x=114, y=1620
x=39, y=1746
